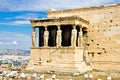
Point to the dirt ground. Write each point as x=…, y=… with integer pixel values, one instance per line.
x=67, y=76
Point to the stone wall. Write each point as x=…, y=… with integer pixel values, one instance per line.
x=103, y=33
x=57, y=59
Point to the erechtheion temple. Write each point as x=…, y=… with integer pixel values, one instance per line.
x=77, y=40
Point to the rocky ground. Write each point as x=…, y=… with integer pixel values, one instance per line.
x=31, y=75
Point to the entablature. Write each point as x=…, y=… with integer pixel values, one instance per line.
x=71, y=20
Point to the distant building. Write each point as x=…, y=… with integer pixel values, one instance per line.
x=76, y=40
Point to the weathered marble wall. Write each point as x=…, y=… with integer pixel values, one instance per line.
x=103, y=33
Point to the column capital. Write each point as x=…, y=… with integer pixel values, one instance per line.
x=81, y=29
x=58, y=26
x=80, y=26
x=74, y=26
x=45, y=28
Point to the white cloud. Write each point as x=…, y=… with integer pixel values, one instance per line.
x=26, y=16
x=20, y=22
x=11, y=40
x=41, y=5
x=15, y=23
x=15, y=42
x=22, y=19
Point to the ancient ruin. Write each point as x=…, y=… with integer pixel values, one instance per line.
x=76, y=40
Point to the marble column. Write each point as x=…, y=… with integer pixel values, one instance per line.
x=74, y=36
x=80, y=38
x=59, y=37
x=46, y=36
x=34, y=37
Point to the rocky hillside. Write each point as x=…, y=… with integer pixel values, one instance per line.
x=18, y=52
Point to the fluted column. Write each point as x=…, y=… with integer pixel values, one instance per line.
x=46, y=36
x=59, y=37
x=74, y=36
x=33, y=37
x=80, y=38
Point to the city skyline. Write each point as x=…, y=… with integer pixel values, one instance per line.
x=15, y=28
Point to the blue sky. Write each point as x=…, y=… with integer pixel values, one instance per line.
x=15, y=28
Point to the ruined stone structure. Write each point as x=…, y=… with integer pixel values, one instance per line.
x=76, y=40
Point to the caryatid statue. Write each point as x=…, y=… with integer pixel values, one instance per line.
x=80, y=38
x=59, y=37
x=46, y=37
x=74, y=36
x=33, y=38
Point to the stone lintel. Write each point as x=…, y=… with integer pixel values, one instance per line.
x=59, y=21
